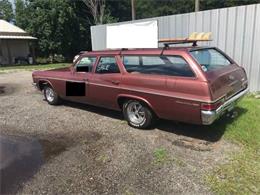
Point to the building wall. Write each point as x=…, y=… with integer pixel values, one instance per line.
x=236, y=31
x=11, y=49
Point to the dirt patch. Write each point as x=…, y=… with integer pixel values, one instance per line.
x=7, y=89
x=22, y=157
x=56, y=146
x=194, y=144
x=2, y=90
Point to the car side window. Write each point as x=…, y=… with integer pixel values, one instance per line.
x=158, y=65
x=85, y=64
x=131, y=60
x=179, y=66
x=107, y=65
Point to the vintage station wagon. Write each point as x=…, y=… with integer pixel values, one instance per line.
x=190, y=84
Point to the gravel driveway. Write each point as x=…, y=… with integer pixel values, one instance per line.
x=90, y=150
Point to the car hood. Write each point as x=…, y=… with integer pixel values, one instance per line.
x=60, y=69
x=59, y=72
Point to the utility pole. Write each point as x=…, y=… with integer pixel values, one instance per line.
x=133, y=9
x=197, y=5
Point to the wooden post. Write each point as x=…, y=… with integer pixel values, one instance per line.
x=133, y=9
x=33, y=52
x=197, y=5
x=9, y=52
x=1, y=53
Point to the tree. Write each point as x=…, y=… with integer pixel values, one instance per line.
x=6, y=10
x=121, y=11
x=154, y=8
x=97, y=9
x=215, y=4
x=20, y=14
x=61, y=26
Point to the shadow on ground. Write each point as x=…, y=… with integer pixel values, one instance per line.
x=210, y=133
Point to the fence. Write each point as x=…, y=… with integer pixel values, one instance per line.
x=236, y=31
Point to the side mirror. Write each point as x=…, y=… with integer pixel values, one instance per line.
x=75, y=58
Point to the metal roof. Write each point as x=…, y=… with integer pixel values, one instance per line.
x=17, y=37
x=10, y=31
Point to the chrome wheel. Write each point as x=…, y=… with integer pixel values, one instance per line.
x=49, y=93
x=136, y=113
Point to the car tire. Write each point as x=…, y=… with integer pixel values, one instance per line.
x=50, y=95
x=138, y=114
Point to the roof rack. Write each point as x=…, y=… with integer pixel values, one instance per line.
x=193, y=38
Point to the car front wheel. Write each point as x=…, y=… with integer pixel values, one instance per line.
x=50, y=95
x=138, y=114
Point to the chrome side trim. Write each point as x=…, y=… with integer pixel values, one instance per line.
x=46, y=78
x=187, y=103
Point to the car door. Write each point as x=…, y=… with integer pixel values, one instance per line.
x=104, y=84
x=77, y=86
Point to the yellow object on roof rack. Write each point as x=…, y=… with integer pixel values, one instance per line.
x=193, y=38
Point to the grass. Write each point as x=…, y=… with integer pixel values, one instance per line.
x=242, y=174
x=5, y=69
x=103, y=158
x=160, y=155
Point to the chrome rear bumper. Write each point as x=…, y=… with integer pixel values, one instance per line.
x=208, y=117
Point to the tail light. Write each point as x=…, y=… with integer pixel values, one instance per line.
x=211, y=106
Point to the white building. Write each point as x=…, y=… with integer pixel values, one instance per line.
x=14, y=44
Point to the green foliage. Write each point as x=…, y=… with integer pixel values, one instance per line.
x=20, y=14
x=6, y=10
x=214, y=4
x=121, y=11
x=56, y=58
x=62, y=27
x=147, y=8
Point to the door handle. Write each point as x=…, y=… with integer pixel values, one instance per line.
x=115, y=82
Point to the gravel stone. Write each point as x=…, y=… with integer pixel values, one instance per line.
x=90, y=150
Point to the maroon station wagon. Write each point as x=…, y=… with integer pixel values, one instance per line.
x=190, y=84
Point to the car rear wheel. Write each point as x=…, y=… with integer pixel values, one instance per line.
x=50, y=95
x=138, y=114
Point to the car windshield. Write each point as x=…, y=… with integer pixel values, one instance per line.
x=210, y=59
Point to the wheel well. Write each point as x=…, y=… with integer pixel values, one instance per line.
x=42, y=84
x=121, y=101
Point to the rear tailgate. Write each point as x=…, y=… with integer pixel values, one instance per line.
x=226, y=81
x=224, y=76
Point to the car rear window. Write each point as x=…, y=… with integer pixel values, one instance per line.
x=158, y=65
x=210, y=59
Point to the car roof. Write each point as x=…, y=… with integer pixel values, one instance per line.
x=149, y=51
